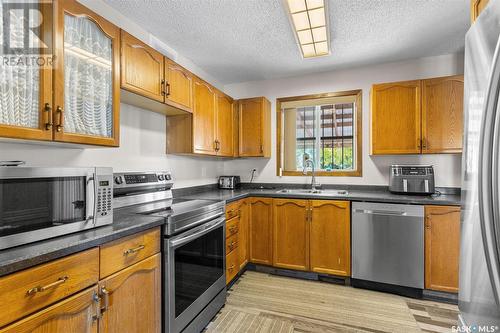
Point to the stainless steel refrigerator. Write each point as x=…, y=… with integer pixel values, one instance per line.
x=479, y=285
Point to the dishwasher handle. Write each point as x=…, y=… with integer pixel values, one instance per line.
x=380, y=212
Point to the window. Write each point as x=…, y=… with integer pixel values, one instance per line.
x=326, y=127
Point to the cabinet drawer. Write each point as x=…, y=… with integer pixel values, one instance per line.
x=232, y=266
x=232, y=210
x=124, y=252
x=27, y=291
x=231, y=244
x=232, y=226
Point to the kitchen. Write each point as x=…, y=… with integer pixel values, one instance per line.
x=141, y=238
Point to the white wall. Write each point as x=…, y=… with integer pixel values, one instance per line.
x=142, y=148
x=375, y=168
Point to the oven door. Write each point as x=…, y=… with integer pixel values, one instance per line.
x=41, y=203
x=195, y=272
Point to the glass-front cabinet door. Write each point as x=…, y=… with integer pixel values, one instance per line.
x=86, y=89
x=25, y=70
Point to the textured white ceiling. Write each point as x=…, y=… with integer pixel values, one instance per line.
x=245, y=40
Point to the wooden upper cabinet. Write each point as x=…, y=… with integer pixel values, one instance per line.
x=476, y=7
x=291, y=234
x=178, y=86
x=142, y=68
x=330, y=237
x=243, y=233
x=254, y=119
x=225, y=126
x=86, y=76
x=417, y=117
x=261, y=238
x=26, y=101
x=442, y=247
x=204, y=115
x=442, y=114
x=75, y=314
x=395, y=118
x=131, y=299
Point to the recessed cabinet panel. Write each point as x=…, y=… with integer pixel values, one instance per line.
x=204, y=119
x=178, y=86
x=141, y=68
x=442, y=114
x=75, y=314
x=442, y=247
x=330, y=237
x=225, y=122
x=132, y=298
x=254, y=118
x=291, y=234
x=395, y=118
x=86, y=89
x=261, y=247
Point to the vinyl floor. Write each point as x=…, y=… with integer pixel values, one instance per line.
x=260, y=302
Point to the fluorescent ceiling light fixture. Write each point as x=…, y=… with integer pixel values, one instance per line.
x=310, y=24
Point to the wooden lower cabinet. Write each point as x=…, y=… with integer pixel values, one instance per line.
x=75, y=314
x=291, y=234
x=442, y=247
x=330, y=237
x=312, y=235
x=261, y=234
x=65, y=295
x=132, y=298
x=243, y=233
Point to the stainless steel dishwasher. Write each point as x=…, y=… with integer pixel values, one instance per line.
x=388, y=244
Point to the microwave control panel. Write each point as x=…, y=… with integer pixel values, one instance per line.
x=104, y=195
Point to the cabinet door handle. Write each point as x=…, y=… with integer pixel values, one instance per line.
x=48, y=110
x=424, y=143
x=134, y=250
x=59, y=112
x=38, y=289
x=105, y=298
x=168, y=89
x=162, y=87
x=261, y=148
x=419, y=143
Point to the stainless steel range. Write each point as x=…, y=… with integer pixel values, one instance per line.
x=193, y=247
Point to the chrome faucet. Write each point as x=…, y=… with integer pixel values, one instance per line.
x=308, y=162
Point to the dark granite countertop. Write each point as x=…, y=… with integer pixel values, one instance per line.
x=25, y=256
x=372, y=194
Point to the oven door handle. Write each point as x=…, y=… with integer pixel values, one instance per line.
x=197, y=232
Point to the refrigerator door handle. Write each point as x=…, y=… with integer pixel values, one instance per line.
x=489, y=210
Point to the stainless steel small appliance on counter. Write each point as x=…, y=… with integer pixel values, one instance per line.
x=194, y=266
x=412, y=179
x=41, y=203
x=229, y=182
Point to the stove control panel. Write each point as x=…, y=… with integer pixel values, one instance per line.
x=135, y=179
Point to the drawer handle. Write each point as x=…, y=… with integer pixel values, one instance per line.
x=232, y=245
x=231, y=268
x=133, y=250
x=232, y=230
x=37, y=289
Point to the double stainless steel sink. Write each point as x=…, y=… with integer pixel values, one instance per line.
x=315, y=192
